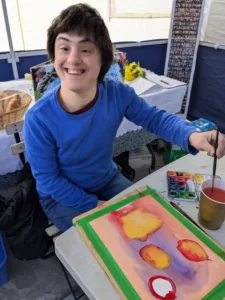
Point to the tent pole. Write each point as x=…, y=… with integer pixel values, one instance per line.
x=13, y=60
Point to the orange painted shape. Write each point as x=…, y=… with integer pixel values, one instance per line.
x=155, y=257
x=192, y=250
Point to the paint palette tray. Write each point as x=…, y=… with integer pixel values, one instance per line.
x=181, y=185
x=199, y=178
x=184, y=185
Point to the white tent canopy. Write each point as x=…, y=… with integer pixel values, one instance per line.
x=136, y=20
x=29, y=21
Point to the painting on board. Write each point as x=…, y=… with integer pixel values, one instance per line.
x=151, y=251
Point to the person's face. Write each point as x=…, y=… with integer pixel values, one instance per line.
x=77, y=62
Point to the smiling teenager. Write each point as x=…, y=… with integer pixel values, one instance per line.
x=69, y=133
x=78, y=64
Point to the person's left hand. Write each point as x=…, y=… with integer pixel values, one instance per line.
x=205, y=141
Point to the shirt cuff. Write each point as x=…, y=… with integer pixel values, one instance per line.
x=192, y=150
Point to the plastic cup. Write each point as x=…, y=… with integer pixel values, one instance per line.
x=211, y=211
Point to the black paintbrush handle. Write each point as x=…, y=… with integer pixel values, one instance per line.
x=215, y=156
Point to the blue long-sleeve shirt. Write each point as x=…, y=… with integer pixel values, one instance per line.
x=71, y=155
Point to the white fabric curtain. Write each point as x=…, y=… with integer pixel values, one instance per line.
x=215, y=29
x=206, y=12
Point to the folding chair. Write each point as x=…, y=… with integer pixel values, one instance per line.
x=19, y=149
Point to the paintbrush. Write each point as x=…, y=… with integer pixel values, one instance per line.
x=215, y=158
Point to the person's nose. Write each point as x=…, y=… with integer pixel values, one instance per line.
x=74, y=57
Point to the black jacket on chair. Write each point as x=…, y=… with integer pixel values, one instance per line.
x=22, y=219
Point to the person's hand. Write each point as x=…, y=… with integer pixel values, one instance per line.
x=205, y=141
x=100, y=202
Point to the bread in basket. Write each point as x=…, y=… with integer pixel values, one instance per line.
x=13, y=105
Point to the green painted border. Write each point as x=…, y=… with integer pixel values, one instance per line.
x=114, y=269
x=217, y=293
x=112, y=266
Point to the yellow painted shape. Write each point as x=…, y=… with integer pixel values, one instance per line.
x=156, y=257
x=139, y=223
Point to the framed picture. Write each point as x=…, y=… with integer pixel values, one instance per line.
x=140, y=9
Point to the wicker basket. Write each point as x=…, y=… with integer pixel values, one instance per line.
x=16, y=114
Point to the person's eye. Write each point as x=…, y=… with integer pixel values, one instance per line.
x=86, y=51
x=64, y=49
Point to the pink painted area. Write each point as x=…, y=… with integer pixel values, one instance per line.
x=193, y=280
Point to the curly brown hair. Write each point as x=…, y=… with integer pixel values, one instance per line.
x=84, y=20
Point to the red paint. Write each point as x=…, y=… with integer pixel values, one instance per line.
x=144, y=255
x=180, y=179
x=215, y=194
x=144, y=238
x=187, y=178
x=169, y=296
x=122, y=212
x=115, y=218
x=172, y=174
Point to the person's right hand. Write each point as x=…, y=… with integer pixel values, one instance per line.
x=205, y=141
x=100, y=202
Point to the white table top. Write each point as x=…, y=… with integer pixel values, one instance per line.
x=80, y=262
x=166, y=99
